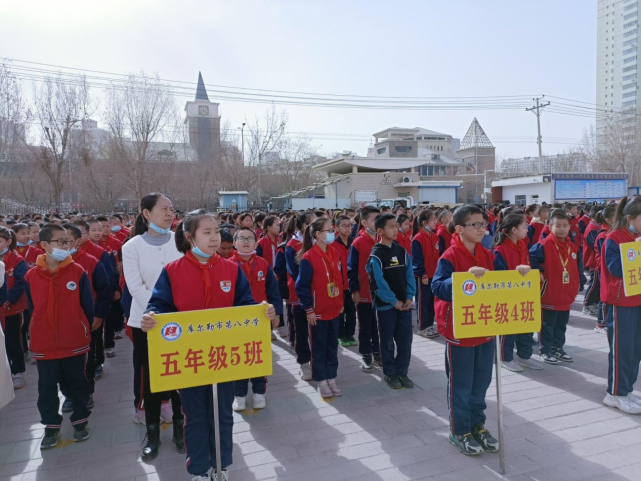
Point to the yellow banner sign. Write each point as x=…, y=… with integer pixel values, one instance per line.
x=497, y=304
x=196, y=348
x=631, y=261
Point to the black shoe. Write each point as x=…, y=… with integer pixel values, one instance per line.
x=405, y=381
x=150, y=451
x=50, y=439
x=581, y=288
x=550, y=359
x=466, y=443
x=393, y=382
x=377, y=363
x=98, y=374
x=81, y=432
x=485, y=439
x=177, y=438
x=67, y=406
x=90, y=404
x=561, y=355
x=367, y=364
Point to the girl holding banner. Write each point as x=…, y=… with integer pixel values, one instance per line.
x=202, y=280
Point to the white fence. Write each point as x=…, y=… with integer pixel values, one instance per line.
x=304, y=203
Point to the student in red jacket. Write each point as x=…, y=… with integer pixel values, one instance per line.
x=468, y=362
x=181, y=288
x=347, y=322
x=556, y=258
x=59, y=295
x=368, y=342
x=101, y=290
x=623, y=319
x=15, y=306
x=264, y=287
x=590, y=233
x=118, y=230
x=267, y=248
x=405, y=234
x=443, y=232
x=538, y=223
x=30, y=254
x=294, y=231
x=576, y=237
x=511, y=254
x=606, y=219
x=320, y=289
x=425, y=254
x=34, y=232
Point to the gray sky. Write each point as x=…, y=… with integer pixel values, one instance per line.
x=428, y=48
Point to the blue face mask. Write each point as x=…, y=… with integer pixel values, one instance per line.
x=632, y=229
x=73, y=251
x=22, y=244
x=330, y=237
x=30, y=242
x=115, y=228
x=370, y=231
x=4, y=251
x=59, y=254
x=196, y=250
x=159, y=230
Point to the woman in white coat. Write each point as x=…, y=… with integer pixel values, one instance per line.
x=6, y=384
x=150, y=249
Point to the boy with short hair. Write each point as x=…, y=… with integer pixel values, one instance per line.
x=468, y=362
x=392, y=283
x=556, y=258
x=59, y=296
x=359, y=251
x=226, y=248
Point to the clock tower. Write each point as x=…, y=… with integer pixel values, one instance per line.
x=203, y=123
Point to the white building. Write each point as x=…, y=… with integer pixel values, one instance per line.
x=617, y=65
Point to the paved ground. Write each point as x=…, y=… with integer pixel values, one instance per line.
x=556, y=426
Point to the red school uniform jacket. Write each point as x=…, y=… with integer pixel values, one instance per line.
x=589, y=260
x=510, y=255
x=575, y=232
x=29, y=254
x=255, y=269
x=612, y=270
x=425, y=254
x=267, y=249
x=292, y=249
x=61, y=305
x=444, y=238
x=343, y=251
x=537, y=229
x=356, y=261
x=405, y=241
x=548, y=256
x=15, y=269
x=112, y=245
x=318, y=270
x=121, y=235
x=456, y=259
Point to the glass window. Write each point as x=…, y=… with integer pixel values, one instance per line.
x=629, y=103
x=629, y=86
x=630, y=94
x=630, y=50
x=630, y=15
x=629, y=77
x=403, y=148
x=630, y=59
x=631, y=67
x=382, y=151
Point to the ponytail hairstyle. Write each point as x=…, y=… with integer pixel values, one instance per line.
x=425, y=216
x=296, y=222
x=186, y=230
x=10, y=236
x=310, y=235
x=607, y=213
x=531, y=208
x=594, y=210
x=627, y=207
x=402, y=218
x=268, y=222
x=504, y=229
x=148, y=202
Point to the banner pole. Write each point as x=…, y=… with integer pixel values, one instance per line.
x=219, y=469
x=499, y=403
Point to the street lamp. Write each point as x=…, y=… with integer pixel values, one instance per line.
x=242, y=141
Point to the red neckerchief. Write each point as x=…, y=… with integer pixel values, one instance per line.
x=477, y=249
x=204, y=272
x=246, y=265
x=524, y=258
x=327, y=259
x=629, y=235
x=563, y=247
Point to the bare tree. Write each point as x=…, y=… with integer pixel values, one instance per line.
x=14, y=115
x=264, y=138
x=292, y=170
x=60, y=103
x=617, y=148
x=141, y=116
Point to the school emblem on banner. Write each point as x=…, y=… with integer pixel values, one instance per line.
x=225, y=286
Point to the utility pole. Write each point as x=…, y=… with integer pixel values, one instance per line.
x=539, y=140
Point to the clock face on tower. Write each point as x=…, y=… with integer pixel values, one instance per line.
x=203, y=111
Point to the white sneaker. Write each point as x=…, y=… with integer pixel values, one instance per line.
x=238, y=404
x=283, y=332
x=18, y=381
x=166, y=413
x=511, y=366
x=305, y=372
x=225, y=474
x=622, y=403
x=259, y=401
x=201, y=478
x=139, y=417
x=529, y=363
x=634, y=398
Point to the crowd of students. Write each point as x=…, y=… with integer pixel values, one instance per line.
x=73, y=282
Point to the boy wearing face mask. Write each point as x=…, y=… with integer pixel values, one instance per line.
x=264, y=287
x=59, y=295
